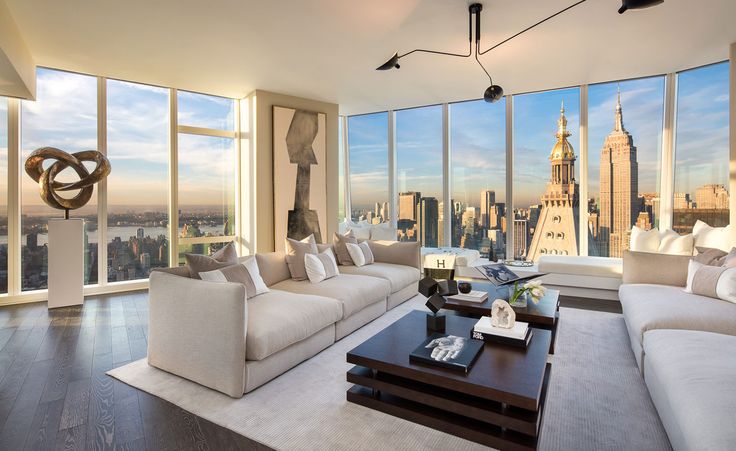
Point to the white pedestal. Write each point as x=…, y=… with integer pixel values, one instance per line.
x=66, y=262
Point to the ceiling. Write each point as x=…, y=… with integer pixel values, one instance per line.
x=328, y=49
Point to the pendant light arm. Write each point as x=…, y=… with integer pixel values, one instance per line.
x=481, y=64
x=532, y=26
x=470, y=44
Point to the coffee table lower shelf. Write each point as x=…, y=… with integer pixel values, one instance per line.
x=480, y=420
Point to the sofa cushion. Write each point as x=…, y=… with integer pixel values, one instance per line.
x=407, y=253
x=273, y=267
x=278, y=319
x=715, y=237
x=360, y=254
x=295, y=251
x=584, y=266
x=691, y=375
x=652, y=307
x=227, y=256
x=399, y=276
x=649, y=267
x=354, y=291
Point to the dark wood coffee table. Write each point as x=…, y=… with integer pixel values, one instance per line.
x=545, y=315
x=499, y=403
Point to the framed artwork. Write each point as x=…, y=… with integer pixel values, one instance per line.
x=299, y=175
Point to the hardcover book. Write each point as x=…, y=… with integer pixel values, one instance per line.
x=448, y=351
x=517, y=342
x=473, y=296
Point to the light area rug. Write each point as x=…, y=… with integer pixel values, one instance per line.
x=596, y=398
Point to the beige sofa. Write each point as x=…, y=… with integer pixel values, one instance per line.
x=685, y=346
x=208, y=333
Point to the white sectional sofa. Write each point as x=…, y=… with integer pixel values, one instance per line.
x=685, y=346
x=207, y=332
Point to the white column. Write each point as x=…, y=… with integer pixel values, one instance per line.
x=393, y=178
x=583, y=162
x=346, y=168
x=446, y=239
x=173, y=180
x=667, y=186
x=102, y=184
x=732, y=141
x=509, y=177
x=14, y=200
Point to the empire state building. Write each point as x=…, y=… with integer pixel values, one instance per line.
x=619, y=175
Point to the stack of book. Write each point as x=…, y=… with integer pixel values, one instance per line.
x=519, y=335
x=473, y=296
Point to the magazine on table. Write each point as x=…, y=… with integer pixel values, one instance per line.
x=499, y=274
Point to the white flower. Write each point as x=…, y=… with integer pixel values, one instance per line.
x=537, y=293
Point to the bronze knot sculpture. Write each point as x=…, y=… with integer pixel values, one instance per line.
x=48, y=186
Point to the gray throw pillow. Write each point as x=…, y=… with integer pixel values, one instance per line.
x=710, y=256
x=246, y=274
x=227, y=256
x=295, y=252
x=341, y=249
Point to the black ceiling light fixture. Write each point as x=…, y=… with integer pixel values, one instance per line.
x=494, y=92
x=637, y=4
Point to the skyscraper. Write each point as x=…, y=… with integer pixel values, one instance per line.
x=521, y=238
x=556, y=230
x=711, y=196
x=487, y=201
x=408, y=203
x=428, y=219
x=619, y=189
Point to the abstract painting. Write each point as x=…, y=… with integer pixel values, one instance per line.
x=299, y=174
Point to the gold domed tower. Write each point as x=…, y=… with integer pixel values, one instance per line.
x=556, y=232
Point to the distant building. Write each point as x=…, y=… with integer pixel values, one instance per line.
x=140, y=233
x=619, y=188
x=711, y=197
x=408, y=203
x=556, y=229
x=487, y=202
x=521, y=238
x=428, y=221
x=681, y=201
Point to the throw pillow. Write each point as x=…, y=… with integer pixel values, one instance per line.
x=227, y=256
x=729, y=260
x=321, y=266
x=383, y=231
x=709, y=256
x=246, y=274
x=714, y=237
x=673, y=243
x=361, y=254
x=712, y=281
x=644, y=240
x=340, y=241
x=295, y=251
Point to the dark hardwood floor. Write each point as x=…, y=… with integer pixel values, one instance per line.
x=54, y=393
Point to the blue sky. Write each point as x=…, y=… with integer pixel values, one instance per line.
x=478, y=139
x=65, y=116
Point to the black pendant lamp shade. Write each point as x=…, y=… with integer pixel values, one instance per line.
x=393, y=62
x=493, y=93
x=637, y=4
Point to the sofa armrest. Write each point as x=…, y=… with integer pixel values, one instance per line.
x=654, y=268
x=197, y=329
x=399, y=253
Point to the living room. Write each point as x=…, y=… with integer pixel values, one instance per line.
x=322, y=224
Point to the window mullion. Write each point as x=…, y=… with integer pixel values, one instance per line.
x=102, y=184
x=173, y=179
x=583, y=183
x=14, y=193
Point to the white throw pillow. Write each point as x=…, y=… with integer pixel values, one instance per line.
x=360, y=253
x=644, y=240
x=320, y=266
x=715, y=237
x=675, y=244
x=383, y=231
x=712, y=281
x=246, y=273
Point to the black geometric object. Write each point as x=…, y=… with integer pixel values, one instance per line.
x=435, y=303
x=436, y=323
x=427, y=287
x=637, y=4
x=464, y=287
x=447, y=287
x=303, y=130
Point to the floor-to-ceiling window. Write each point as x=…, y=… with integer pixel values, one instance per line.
x=478, y=176
x=546, y=168
x=701, y=152
x=340, y=174
x=368, y=148
x=206, y=172
x=3, y=195
x=419, y=170
x=64, y=116
x=624, y=148
x=137, y=188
